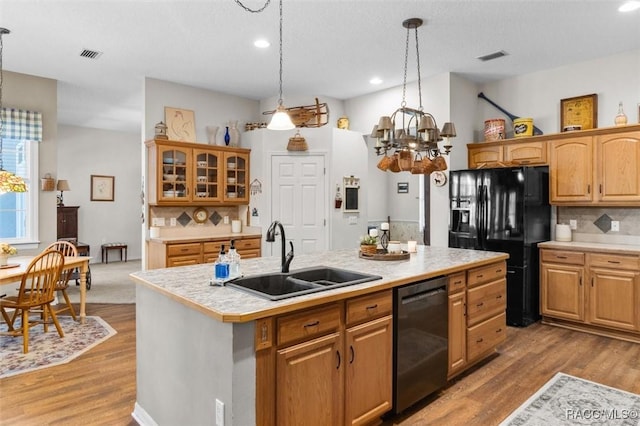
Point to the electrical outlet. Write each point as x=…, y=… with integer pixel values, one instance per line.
x=573, y=224
x=225, y=220
x=615, y=226
x=219, y=413
x=353, y=220
x=172, y=221
x=157, y=221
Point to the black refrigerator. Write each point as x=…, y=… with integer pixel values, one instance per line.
x=505, y=210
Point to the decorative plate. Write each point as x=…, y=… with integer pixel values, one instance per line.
x=200, y=215
x=439, y=178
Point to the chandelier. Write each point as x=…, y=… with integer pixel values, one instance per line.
x=408, y=138
x=9, y=182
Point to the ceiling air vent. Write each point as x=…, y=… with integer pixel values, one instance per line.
x=91, y=54
x=494, y=55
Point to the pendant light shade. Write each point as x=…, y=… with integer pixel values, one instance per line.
x=281, y=120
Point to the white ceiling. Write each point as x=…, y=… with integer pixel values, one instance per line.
x=331, y=47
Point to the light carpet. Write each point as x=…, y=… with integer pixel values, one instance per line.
x=110, y=283
x=568, y=400
x=49, y=349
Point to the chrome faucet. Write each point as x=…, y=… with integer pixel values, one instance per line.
x=271, y=237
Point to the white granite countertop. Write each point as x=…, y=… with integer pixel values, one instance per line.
x=592, y=247
x=190, y=284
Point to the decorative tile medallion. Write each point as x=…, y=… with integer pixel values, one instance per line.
x=184, y=219
x=603, y=223
x=215, y=218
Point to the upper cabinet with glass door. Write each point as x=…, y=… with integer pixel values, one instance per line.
x=190, y=173
x=236, y=177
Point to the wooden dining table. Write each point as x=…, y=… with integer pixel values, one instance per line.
x=13, y=275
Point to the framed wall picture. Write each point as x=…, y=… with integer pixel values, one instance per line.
x=102, y=188
x=580, y=110
x=181, y=124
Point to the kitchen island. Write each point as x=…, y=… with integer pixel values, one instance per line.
x=199, y=346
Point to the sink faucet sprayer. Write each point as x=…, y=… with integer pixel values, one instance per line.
x=271, y=237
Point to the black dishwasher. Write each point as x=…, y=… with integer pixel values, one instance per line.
x=420, y=341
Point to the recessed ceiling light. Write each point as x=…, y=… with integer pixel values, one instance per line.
x=261, y=43
x=375, y=80
x=629, y=6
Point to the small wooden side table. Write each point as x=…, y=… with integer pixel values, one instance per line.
x=122, y=247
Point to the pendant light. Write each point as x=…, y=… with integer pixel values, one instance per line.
x=9, y=182
x=281, y=119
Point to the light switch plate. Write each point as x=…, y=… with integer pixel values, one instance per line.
x=573, y=224
x=615, y=226
x=353, y=220
x=225, y=220
x=172, y=221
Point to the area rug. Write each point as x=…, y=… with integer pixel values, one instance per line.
x=48, y=349
x=568, y=400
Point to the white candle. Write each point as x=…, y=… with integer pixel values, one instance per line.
x=373, y=232
x=384, y=226
x=412, y=246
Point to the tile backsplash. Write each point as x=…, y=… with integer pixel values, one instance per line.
x=588, y=219
x=185, y=223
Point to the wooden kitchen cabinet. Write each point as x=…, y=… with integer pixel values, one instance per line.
x=526, y=154
x=67, y=222
x=165, y=255
x=457, y=333
x=603, y=169
x=596, y=292
x=331, y=364
x=183, y=173
x=571, y=170
x=484, y=156
x=310, y=382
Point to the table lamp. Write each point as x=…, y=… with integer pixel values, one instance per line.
x=62, y=186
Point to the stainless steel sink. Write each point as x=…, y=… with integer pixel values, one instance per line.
x=276, y=286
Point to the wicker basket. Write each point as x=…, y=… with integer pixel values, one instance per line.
x=297, y=143
x=368, y=248
x=47, y=183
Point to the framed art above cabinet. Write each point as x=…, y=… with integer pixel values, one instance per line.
x=182, y=173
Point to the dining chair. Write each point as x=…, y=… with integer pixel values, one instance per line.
x=67, y=249
x=36, y=293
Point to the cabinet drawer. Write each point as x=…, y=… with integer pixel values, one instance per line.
x=486, y=300
x=368, y=307
x=249, y=254
x=562, y=256
x=214, y=246
x=486, y=335
x=457, y=282
x=250, y=243
x=615, y=261
x=183, y=260
x=486, y=274
x=310, y=323
x=183, y=249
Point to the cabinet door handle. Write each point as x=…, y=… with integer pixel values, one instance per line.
x=480, y=304
x=580, y=280
x=601, y=188
x=372, y=306
x=591, y=281
x=479, y=276
x=457, y=282
x=588, y=189
x=480, y=340
x=353, y=354
x=339, y=360
x=498, y=271
x=312, y=324
x=612, y=261
x=499, y=330
x=499, y=296
x=561, y=257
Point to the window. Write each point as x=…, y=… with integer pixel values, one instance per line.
x=19, y=211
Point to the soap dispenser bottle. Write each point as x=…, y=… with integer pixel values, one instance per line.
x=234, y=261
x=221, y=267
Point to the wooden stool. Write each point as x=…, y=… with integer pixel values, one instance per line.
x=122, y=247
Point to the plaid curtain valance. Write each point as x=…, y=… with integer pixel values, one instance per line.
x=21, y=125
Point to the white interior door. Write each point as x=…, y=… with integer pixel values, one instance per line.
x=298, y=201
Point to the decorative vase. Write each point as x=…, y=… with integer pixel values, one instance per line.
x=227, y=136
x=621, y=117
x=234, y=133
x=4, y=259
x=212, y=132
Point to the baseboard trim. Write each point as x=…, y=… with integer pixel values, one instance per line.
x=142, y=417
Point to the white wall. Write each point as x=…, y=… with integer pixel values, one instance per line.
x=32, y=93
x=615, y=78
x=83, y=152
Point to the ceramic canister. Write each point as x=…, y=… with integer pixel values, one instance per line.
x=563, y=232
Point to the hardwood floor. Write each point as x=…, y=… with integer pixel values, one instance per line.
x=99, y=387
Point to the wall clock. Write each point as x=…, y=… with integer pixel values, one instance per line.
x=200, y=215
x=439, y=178
x=582, y=110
